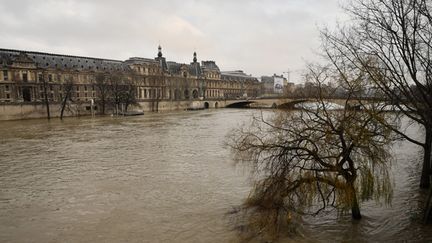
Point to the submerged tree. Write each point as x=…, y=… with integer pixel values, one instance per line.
x=103, y=89
x=45, y=92
x=122, y=91
x=67, y=88
x=392, y=41
x=309, y=161
x=128, y=95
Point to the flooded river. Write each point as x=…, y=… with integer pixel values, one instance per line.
x=158, y=178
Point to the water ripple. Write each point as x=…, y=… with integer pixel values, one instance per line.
x=157, y=178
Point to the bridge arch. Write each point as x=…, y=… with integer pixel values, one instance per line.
x=314, y=104
x=240, y=104
x=291, y=104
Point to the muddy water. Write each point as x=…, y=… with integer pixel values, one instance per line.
x=157, y=178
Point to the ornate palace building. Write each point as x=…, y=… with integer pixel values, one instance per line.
x=26, y=77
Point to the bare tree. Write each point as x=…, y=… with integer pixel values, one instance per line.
x=67, y=88
x=128, y=94
x=312, y=160
x=46, y=98
x=103, y=89
x=392, y=41
x=115, y=85
x=122, y=91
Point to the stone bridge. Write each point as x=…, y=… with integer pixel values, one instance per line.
x=284, y=103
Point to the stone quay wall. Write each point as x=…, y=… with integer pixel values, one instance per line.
x=25, y=110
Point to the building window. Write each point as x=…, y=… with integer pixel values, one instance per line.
x=40, y=77
x=24, y=77
x=7, y=88
x=50, y=78
x=5, y=75
x=7, y=96
x=85, y=87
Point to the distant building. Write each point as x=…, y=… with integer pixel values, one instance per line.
x=249, y=86
x=273, y=85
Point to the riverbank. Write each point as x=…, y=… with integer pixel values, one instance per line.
x=33, y=110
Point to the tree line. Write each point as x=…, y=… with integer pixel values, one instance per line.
x=115, y=92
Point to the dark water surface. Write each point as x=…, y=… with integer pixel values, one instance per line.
x=158, y=178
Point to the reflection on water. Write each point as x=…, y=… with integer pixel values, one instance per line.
x=156, y=178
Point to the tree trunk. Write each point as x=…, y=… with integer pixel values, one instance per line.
x=428, y=208
x=63, y=106
x=62, y=110
x=103, y=106
x=355, y=208
x=46, y=100
x=426, y=169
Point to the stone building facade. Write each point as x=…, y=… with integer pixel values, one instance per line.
x=27, y=76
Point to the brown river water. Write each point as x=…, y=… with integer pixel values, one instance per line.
x=161, y=178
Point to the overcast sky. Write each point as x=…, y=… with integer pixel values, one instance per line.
x=259, y=37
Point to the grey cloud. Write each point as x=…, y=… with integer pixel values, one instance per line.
x=261, y=37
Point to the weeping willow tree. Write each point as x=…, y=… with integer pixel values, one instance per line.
x=392, y=41
x=320, y=158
